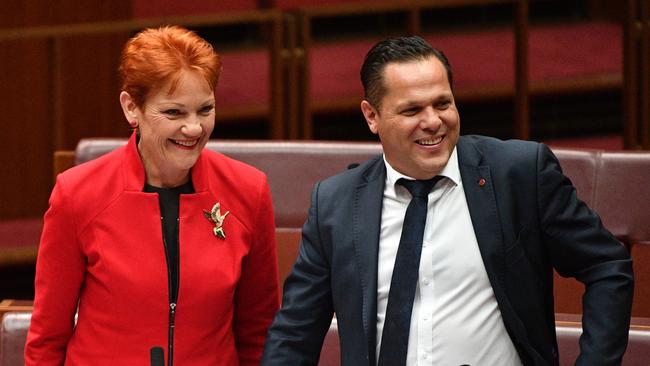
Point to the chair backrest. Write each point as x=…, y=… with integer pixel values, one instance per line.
x=581, y=167
x=638, y=347
x=13, y=334
x=622, y=199
x=623, y=194
x=292, y=167
x=614, y=184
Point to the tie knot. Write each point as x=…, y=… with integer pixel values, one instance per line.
x=419, y=188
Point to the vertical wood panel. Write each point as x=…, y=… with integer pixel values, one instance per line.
x=30, y=93
x=88, y=90
x=22, y=13
x=25, y=153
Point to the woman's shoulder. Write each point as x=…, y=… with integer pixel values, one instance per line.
x=90, y=187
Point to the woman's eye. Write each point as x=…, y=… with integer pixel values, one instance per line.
x=173, y=112
x=206, y=109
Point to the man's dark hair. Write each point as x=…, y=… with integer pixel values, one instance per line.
x=398, y=50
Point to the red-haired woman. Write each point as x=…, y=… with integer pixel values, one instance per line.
x=159, y=246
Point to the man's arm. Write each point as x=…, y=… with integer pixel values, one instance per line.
x=581, y=247
x=297, y=333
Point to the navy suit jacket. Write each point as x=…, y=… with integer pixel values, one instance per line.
x=528, y=221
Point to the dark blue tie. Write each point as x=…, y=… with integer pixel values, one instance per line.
x=395, y=336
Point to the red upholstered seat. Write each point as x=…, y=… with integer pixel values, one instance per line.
x=581, y=167
x=623, y=200
x=604, y=142
x=19, y=240
x=482, y=60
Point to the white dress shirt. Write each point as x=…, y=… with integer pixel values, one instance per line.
x=455, y=318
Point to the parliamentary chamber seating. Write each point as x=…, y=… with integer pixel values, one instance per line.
x=287, y=64
x=613, y=183
x=287, y=73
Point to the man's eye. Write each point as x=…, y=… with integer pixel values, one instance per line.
x=444, y=105
x=410, y=112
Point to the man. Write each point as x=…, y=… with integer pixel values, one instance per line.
x=499, y=218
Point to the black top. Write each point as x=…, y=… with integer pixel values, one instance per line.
x=169, y=199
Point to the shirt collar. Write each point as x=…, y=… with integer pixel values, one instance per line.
x=450, y=171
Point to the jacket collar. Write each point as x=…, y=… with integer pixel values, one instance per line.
x=134, y=174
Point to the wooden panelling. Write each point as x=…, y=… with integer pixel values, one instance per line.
x=88, y=88
x=25, y=153
x=23, y=13
x=47, y=83
x=159, y=8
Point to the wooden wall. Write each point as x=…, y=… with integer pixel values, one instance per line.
x=48, y=84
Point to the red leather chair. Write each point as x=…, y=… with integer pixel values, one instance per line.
x=622, y=198
x=581, y=167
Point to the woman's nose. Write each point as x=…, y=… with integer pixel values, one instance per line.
x=192, y=127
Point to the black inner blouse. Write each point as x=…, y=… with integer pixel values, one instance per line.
x=169, y=200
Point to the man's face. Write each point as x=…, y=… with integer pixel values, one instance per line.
x=418, y=123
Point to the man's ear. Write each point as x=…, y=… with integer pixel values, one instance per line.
x=371, y=114
x=129, y=108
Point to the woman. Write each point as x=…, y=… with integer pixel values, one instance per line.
x=159, y=244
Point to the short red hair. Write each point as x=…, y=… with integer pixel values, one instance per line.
x=155, y=57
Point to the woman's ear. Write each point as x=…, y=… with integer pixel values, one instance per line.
x=129, y=108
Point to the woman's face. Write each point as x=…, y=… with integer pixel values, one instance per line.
x=174, y=128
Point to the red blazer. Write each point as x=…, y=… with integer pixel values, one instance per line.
x=102, y=255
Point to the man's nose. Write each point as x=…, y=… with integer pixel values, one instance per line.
x=430, y=119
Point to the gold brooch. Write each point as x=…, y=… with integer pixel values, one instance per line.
x=216, y=217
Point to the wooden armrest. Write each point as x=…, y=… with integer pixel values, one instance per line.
x=63, y=160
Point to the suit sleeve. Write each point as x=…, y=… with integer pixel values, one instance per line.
x=297, y=333
x=60, y=270
x=257, y=297
x=581, y=247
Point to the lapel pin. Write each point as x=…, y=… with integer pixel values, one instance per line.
x=481, y=182
x=217, y=218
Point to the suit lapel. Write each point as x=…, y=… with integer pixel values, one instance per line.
x=479, y=191
x=482, y=203
x=368, y=199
